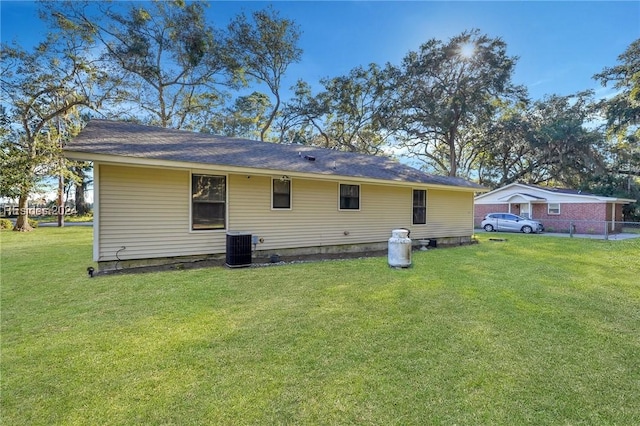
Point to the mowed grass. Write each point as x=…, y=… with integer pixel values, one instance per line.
x=532, y=330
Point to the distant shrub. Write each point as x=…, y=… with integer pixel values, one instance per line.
x=7, y=224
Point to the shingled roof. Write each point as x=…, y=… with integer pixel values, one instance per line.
x=120, y=139
x=543, y=193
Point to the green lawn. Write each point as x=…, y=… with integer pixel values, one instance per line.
x=532, y=330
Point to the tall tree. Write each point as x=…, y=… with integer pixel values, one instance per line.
x=346, y=115
x=508, y=155
x=165, y=58
x=622, y=111
x=567, y=148
x=444, y=88
x=81, y=181
x=245, y=118
x=302, y=117
x=263, y=48
x=550, y=141
x=41, y=88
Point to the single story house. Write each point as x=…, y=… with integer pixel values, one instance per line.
x=559, y=209
x=163, y=196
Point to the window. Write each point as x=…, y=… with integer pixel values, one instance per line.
x=281, y=194
x=419, y=206
x=208, y=202
x=553, y=208
x=349, y=197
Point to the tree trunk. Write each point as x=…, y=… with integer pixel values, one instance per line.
x=453, y=158
x=272, y=116
x=81, y=202
x=22, y=223
x=61, y=207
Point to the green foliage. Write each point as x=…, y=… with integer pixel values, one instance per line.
x=79, y=180
x=623, y=110
x=532, y=330
x=569, y=150
x=7, y=224
x=263, y=48
x=245, y=119
x=619, y=186
x=43, y=90
x=88, y=217
x=507, y=154
x=346, y=115
x=162, y=57
x=451, y=105
x=550, y=141
x=443, y=89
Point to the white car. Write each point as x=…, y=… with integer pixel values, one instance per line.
x=510, y=222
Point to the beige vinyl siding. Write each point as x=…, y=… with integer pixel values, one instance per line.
x=314, y=219
x=449, y=214
x=146, y=210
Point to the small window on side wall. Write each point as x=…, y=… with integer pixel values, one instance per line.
x=281, y=197
x=349, y=197
x=553, y=208
x=419, y=207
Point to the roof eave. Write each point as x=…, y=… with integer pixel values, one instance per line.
x=623, y=200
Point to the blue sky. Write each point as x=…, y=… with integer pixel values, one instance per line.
x=560, y=44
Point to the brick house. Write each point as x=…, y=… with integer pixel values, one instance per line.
x=559, y=209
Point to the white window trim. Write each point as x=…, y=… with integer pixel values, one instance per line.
x=226, y=203
x=281, y=209
x=359, y=197
x=426, y=203
x=549, y=212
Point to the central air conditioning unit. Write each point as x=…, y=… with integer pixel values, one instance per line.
x=238, y=249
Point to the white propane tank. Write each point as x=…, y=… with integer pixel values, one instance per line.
x=400, y=249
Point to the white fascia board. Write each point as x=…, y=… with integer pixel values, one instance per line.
x=558, y=197
x=526, y=197
x=623, y=200
x=497, y=190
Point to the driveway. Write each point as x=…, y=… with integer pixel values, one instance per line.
x=43, y=224
x=622, y=236
x=51, y=224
